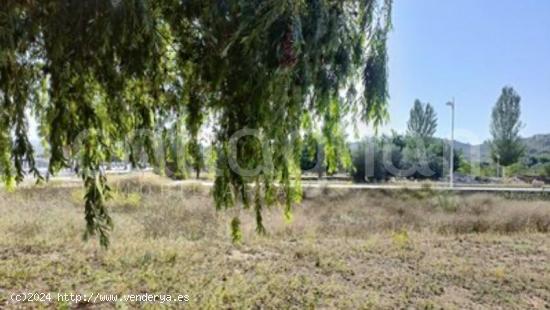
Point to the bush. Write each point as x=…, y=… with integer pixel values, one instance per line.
x=373, y=150
x=374, y=159
x=447, y=202
x=516, y=169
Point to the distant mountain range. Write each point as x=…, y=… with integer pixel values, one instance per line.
x=536, y=146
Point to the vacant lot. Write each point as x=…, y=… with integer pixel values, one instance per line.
x=346, y=250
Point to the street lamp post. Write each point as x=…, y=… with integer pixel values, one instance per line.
x=498, y=166
x=452, y=105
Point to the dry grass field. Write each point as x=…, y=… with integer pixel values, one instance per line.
x=346, y=250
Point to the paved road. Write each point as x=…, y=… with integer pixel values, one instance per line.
x=457, y=188
x=74, y=181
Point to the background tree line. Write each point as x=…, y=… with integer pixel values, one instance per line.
x=383, y=157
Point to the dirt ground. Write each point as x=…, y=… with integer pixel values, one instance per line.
x=342, y=250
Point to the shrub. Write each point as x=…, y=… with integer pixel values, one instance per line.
x=372, y=158
x=125, y=201
x=373, y=150
x=447, y=202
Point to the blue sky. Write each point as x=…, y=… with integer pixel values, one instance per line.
x=470, y=49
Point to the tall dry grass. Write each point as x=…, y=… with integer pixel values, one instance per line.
x=343, y=249
x=187, y=211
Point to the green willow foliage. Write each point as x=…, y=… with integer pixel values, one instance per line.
x=102, y=76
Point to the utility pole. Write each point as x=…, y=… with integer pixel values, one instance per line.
x=452, y=105
x=498, y=166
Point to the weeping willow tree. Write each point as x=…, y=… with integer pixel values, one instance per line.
x=101, y=77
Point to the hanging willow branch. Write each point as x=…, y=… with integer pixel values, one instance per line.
x=101, y=74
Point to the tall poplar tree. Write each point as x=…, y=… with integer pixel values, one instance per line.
x=506, y=144
x=422, y=121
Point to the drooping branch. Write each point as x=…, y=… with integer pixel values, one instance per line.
x=115, y=71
